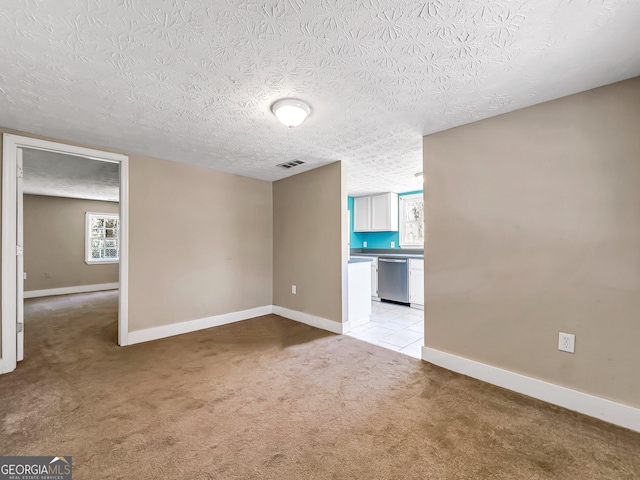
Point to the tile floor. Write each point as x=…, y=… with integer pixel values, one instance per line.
x=395, y=327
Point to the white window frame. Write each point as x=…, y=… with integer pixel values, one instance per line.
x=87, y=239
x=403, y=199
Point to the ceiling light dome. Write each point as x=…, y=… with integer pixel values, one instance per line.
x=290, y=111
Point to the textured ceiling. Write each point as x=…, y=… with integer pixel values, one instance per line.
x=193, y=80
x=57, y=175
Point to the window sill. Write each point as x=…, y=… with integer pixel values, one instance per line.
x=101, y=262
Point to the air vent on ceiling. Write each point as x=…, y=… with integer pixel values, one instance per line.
x=291, y=164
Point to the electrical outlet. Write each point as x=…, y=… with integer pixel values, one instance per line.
x=293, y=289
x=393, y=244
x=364, y=244
x=567, y=342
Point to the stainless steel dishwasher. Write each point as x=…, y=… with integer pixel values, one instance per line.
x=393, y=279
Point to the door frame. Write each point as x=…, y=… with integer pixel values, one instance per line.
x=11, y=144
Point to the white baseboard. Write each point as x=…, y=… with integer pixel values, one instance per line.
x=180, y=328
x=68, y=290
x=601, y=408
x=318, y=322
x=155, y=333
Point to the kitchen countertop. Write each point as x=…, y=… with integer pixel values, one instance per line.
x=389, y=255
x=360, y=260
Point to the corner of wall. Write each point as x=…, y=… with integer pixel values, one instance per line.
x=310, y=241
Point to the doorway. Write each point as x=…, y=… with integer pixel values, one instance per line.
x=14, y=147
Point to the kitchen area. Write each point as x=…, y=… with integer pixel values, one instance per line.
x=386, y=236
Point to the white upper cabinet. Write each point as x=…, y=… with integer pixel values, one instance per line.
x=362, y=214
x=376, y=213
x=384, y=212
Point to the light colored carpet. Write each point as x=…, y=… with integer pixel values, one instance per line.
x=269, y=398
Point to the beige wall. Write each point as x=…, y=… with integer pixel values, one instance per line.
x=309, y=221
x=200, y=241
x=533, y=227
x=54, y=239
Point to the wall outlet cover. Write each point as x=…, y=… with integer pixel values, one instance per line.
x=393, y=244
x=566, y=342
x=293, y=289
x=364, y=244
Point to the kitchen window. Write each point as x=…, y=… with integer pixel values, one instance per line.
x=412, y=221
x=102, y=238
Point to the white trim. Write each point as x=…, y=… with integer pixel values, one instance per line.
x=318, y=322
x=123, y=307
x=104, y=261
x=87, y=239
x=9, y=267
x=97, y=287
x=180, y=328
x=11, y=144
x=601, y=408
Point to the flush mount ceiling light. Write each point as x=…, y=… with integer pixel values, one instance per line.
x=290, y=111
